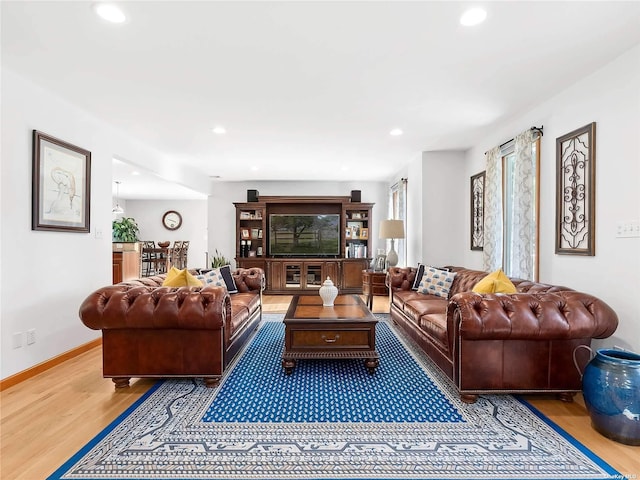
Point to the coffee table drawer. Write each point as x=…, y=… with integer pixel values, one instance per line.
x=331, y=339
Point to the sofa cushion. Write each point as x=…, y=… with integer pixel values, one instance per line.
x=180, y=278
x=495, y=282
x=242, y=306
x=400, y=298
x=220, y=277
x=425, y=305
x=436, y=282
x=435, y=325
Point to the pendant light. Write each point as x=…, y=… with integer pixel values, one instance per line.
x=117, y=209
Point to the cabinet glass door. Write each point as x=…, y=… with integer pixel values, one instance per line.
x=314, y=275
x=293, y=277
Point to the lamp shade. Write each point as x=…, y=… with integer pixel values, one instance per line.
x=117, y=209
x=391, y=229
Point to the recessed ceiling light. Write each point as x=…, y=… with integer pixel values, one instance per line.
x=219, y=130
x=473, y=16
x=254, y=168
x=395, y=132
x=109, y=12
x=135, y=172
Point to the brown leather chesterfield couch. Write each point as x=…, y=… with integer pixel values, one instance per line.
x=153, y=331
x=501, y=343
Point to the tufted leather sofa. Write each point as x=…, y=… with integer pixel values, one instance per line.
x=153, y=331
x=501, y=343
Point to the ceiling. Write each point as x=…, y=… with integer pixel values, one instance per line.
x=310, y=90
x=133, y=182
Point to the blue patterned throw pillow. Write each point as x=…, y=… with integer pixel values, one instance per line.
x=436, y=282
x=219, y=277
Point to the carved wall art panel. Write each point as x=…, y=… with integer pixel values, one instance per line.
x=477, y=211
x=575, y=191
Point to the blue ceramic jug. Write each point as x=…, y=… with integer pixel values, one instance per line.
x=611, y=389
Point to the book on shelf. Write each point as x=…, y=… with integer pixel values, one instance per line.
x=253, y=215
x=356, y=250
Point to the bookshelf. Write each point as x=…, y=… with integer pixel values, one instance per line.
x=299, y=275
x=250, y=230
x=357, y=231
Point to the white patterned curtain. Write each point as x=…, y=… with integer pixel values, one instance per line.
x=523, y=218
x=492, y=251
x=398, y=211
x=510, y=208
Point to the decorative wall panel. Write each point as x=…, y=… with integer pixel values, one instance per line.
x=575, y=191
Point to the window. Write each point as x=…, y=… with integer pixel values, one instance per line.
x=511, y=206
x=398, y=211
x=520, y=189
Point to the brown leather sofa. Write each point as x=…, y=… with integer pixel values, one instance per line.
x=501, y=343
x=153, y=331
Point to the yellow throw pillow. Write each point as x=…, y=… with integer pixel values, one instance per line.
x=191, y=280
x=171, y=274
x=180, y=278
x=495, y=282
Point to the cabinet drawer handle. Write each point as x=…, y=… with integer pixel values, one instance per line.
x=330, y=340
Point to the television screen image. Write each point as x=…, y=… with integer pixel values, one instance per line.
x=305, y=235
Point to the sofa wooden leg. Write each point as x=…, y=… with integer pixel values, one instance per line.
x=467, y=398
x=566, y=396
x=211, y=382
x=121, y=382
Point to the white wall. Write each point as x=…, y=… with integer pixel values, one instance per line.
x=222, y=213
x=46, y=275
x=443, y=194
x=435, y=193
x=148, y=215
x=415, y=209
x=611, y=98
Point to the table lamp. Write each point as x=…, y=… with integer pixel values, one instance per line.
x=392, y=229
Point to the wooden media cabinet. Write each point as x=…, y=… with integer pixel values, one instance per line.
x=304, y=274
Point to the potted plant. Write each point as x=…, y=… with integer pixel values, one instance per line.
x=218, y=260
x=125, y=230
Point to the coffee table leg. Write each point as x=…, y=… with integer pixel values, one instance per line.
x=288, y=365
x=371, y=364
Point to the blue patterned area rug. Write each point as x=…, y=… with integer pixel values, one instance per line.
x=330, y=420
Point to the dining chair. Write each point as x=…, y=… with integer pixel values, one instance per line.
x=148, y=258
x=176, y=254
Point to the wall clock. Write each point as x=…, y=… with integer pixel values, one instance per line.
x=172, y=220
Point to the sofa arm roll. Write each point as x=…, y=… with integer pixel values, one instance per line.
x=400, y=278
x=249, y=279
x=126, y=306
x=546, y=316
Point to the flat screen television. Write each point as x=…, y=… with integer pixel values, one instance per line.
x=304, y=235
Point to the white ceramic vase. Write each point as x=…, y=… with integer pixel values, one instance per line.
x=328, y=292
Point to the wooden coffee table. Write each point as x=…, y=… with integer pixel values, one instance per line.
x=346, y=330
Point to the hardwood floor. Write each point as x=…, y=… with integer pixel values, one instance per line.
x=49, y=417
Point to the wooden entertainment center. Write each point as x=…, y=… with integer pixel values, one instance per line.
x=289, y=273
